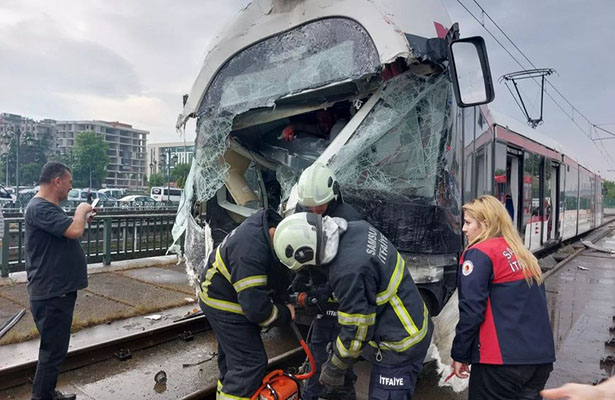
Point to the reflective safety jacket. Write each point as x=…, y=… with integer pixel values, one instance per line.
x=242, y=270
x=381, y=312
x=502, y=320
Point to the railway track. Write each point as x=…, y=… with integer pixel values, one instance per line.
x=182, y=335
x=86, y=361
x=121, y=348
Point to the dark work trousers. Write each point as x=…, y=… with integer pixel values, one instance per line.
x=53, y=318
x=508, y=382
x=325, y=330
x=394, y=383
x=242, y=360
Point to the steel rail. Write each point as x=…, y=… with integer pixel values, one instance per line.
x=210, y=391
x=79, y=358
x=21, y=373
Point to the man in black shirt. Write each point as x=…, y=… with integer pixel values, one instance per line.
x=56, y=269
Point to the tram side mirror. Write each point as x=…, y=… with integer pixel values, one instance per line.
x=470, y=72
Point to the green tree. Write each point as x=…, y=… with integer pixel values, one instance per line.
x=29, y=173
x=156, y=180
x=179, y=173
x=89, y=157
x=610, y=189
x=66, y=159
x=32, y=157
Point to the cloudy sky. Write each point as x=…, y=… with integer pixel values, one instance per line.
x=132, y=60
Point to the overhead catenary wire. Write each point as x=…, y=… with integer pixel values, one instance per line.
x=574, y=110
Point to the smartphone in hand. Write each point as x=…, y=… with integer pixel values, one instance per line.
x=92, y=213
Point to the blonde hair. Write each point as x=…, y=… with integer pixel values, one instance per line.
x=497, y=223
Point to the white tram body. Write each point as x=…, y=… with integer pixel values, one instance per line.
x=408, y=155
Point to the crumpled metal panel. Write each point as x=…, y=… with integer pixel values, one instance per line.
x=307, y=57
x=198, y=246
x=413, y=226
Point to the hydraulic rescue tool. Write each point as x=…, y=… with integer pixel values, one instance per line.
x=280, y=385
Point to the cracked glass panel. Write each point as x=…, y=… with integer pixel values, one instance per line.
x=310, y=56
x=396, y=147
x=313, y=55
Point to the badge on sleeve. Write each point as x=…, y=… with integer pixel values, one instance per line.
x=467, y=267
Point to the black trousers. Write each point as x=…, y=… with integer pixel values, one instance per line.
x=325, y=331
x=53, y=318
x=242, y=360
x=508, y=382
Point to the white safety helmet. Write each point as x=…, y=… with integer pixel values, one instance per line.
x=317, y=186
x=298, y=240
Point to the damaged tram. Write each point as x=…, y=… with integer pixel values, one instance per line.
x=372, y=88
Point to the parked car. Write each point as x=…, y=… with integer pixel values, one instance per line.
x=116, y=193
x=136, y=200
x=6, y=194
x=25, y=195
x=160, y=193
x=81, y=195
x=106, y=201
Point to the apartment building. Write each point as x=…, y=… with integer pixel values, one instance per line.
x=157, y=153
x=127, y=149
x=127, y=145
x=10, y=124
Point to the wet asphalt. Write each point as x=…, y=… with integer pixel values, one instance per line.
x=581, y=297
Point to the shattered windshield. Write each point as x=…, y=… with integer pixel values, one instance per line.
x=396, y=148
x=313, y=55
x=310, y=56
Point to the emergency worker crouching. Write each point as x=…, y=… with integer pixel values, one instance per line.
x=319, y=193
x=234, y=296
x=382, y=315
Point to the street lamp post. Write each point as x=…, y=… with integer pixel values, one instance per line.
x=168, y=161
x=17, y=133
x=6, y=139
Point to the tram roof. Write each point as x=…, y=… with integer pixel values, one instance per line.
x=542, y=138
x=386, y=21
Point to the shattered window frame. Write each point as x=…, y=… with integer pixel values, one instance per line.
x=308, y=44
x=410, y=166
x=209, y=171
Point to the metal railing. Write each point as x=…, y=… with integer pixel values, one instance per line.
x=14, y=210
x=608, y=203
x=107, y=238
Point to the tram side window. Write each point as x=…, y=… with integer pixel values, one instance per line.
x=469, y=183
x=585, y=201
x=592, y=199
x=572, y=193
x=483, y=168
x=484, y=143
x=548, y=200
x=501, y=177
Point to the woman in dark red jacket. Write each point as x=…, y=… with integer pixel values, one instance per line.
x=503, y=329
